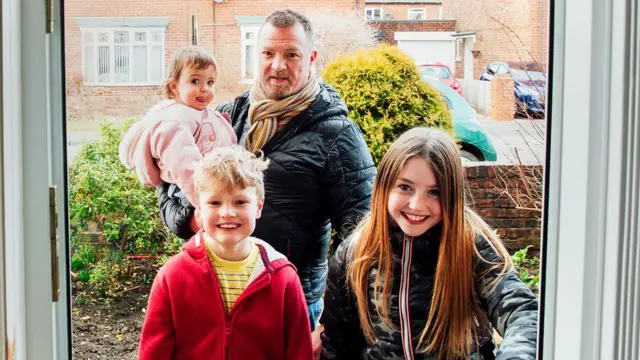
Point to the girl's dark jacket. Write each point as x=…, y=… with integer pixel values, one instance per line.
x=509, y=307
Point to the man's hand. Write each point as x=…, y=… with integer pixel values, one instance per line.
x=195, y=223
x=316, y=341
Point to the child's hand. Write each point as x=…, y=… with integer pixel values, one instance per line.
x=316, y=341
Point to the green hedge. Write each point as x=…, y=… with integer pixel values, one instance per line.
x=385, y=96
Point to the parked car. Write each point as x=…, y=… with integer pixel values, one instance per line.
x=475, y=143
x=442, y=72
x=530, y=85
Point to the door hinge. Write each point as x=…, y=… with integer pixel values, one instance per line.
x=50, y=11
x=53, y=231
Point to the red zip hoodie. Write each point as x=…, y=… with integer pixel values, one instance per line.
x=186, y=318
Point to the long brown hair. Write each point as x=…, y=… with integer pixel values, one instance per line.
x=449, y=331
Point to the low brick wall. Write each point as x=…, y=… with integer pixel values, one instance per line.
x=495, y=190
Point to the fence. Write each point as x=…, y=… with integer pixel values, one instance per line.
x=478, y=94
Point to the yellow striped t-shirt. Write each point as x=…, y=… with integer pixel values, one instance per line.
x=232, y=275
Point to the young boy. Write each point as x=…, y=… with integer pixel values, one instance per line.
x=227, y=295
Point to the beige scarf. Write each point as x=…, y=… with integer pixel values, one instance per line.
x=267, y=116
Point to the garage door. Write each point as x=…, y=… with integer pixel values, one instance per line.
x=428, y=47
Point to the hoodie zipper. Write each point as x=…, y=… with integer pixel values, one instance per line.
x=227, y=339
x=258, y=284
x=403, y=298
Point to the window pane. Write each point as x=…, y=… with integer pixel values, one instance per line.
x=121, y=63
x=140, y=63
x=156, y=36
x=156, y=63
x=416, y=14
x=250, y=57
x=88, y=37
x=89, y=61
x=104, y=75
x=141, y=36
x=249, y=36
x=103, y=36
x=121, y=37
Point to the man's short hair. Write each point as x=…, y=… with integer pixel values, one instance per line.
x=228, y=167
x=287, y=18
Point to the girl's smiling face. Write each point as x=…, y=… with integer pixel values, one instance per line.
x=194, y=88
x=414, y=200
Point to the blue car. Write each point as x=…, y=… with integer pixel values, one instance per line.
x=475, y=144
x=530, y=85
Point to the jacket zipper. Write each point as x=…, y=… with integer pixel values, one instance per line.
x=403, y=298
x=227, y=339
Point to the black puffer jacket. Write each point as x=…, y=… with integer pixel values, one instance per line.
x=320, y=176
x=509, y=307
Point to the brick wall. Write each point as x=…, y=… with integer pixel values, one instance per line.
x=226, y=32
x=502, y=98
x=506, y=30
x=516, y=225
x=102, y=101
x=388, y=28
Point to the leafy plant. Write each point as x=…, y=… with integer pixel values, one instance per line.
x=525, y=264
x=103, y=192
x=84, y=275
x=108, y=199
x=385, y=95
x=83, y=256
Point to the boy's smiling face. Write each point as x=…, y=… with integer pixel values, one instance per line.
x=229, y=217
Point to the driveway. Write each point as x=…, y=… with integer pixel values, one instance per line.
x=517, y=141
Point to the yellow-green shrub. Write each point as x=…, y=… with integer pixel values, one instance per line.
x=385, y=96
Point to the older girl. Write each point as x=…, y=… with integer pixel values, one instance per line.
x=424, y=277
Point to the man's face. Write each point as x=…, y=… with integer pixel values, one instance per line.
x=285, y=60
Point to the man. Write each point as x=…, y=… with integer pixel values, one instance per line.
x=321, y=172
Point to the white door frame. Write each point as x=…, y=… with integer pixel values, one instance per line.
x=469, y=42
x=591, y=254
x=32, y=160
x=590, y=273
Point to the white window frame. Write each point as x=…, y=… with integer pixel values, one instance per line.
x=111, y=44
x=423, y=11
x=243, y=53
x=373, y=11
x=458, y=49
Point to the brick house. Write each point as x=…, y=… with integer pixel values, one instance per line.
x=482, y=31
x=498, y=30
x=116, y=51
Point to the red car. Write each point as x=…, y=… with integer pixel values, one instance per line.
x=442, y=72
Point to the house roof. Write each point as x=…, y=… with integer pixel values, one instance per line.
x=405, y=2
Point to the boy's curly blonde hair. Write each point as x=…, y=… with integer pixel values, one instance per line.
x=186, y=57
x=228, y=167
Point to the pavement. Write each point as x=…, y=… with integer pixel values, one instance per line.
x=520, y=141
